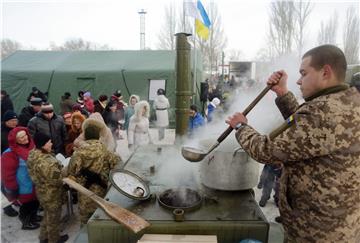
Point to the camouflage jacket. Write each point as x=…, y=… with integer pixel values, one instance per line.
x=93, y=156
x=45, y=171
x=319, y=146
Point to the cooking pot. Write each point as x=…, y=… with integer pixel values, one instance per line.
x=229, y=168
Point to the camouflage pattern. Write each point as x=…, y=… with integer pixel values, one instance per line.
x=45, y=171
x=94, y=156
x=320, y=151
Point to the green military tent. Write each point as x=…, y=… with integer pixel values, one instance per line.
x=100, y=72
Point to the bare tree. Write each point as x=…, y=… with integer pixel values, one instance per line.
x=282, y=26
x=327, y=32
x=234, y=55
x=302, y=12
x=351, y=35
x=75, y=44
x=166, y=36
x=8, y=47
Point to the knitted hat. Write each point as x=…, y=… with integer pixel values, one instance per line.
x=117, y=93
x=36, y=101
x=103, y=98
x=47, y=107
x=215, y=101
x=9, y=115
x=87, y=94
x=34, y=89
x=40, y=139
x=92, y=132
x=67, y=115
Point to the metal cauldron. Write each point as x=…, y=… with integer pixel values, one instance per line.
x=229, y=168
x=180, y=198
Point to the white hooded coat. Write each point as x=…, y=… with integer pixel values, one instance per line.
x=161, y=106
x=138, y=131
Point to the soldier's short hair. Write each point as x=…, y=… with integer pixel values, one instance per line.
x=328, y=55
x=92, y=132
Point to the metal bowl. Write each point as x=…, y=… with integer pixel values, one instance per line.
x=180, y=198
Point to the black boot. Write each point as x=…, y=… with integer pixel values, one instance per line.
x=27, y=224
x=9, y=211
x=63, y=238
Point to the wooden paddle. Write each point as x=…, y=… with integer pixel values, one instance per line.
x=119, y=214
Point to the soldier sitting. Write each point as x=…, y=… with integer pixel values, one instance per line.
x=90, y=166
x=45, y=171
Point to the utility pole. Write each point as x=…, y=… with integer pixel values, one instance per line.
x=142, y=29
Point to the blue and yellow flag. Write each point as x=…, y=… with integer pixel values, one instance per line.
x=202, y=21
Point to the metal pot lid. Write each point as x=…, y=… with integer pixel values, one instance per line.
x=130, y=184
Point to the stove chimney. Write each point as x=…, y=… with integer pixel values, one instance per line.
x=183, y=83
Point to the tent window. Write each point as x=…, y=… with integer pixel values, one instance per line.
x=86, y=78
x=156, y=84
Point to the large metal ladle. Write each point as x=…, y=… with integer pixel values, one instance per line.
x=196, y=154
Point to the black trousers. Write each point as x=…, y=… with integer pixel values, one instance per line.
x=28, y=209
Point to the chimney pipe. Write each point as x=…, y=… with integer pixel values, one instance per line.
x=183, y=83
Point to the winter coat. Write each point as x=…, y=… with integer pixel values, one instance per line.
x=15, y=178
x=161, y=106
x=45, y=171
x=129, y=111
x=25, y=115
x=106, y=137
x=6, y=104
x=66, y=105
x=99, y=106
x=111, y=119
x=90, y=166
x=120, y=106
x=319, y=147
x=4, y=136
x=73, y=133
x=138, y=132
x=195, y=122
x=55, y=128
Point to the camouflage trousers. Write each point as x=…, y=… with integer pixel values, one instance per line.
x=87, y=206
x=50, y=225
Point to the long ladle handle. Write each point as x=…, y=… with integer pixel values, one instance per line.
x=245, y=112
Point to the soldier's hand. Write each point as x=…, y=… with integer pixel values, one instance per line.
x=237, y=118
x=278, y=80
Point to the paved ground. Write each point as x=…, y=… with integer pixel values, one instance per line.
x=11, y=227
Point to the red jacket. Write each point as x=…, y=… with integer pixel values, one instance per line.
x=15, y=179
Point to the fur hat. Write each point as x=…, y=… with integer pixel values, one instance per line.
x=40, y=139
x=47, y=107
x=9, y=115
x=36, y=101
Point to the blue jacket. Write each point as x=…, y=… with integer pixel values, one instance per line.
x=196, y=122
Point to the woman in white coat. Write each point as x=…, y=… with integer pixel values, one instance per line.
x=161, y=106
x=138, y=131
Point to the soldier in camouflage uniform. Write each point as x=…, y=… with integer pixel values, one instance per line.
x=319, y=147
x=45, y=171
x=90, y=166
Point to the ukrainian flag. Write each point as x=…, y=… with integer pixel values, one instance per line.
x=202, y=26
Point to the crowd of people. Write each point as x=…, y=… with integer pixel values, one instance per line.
x=312, y=159
x=86, y=130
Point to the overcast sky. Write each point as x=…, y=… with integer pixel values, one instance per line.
x=116, y=23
